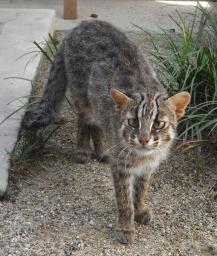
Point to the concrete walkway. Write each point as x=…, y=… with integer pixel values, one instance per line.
x=18, y=30
x=145, y=13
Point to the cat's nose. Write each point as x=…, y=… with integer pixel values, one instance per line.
x=144, y=139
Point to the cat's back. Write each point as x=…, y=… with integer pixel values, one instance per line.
x=96, y=41
x=95, y=30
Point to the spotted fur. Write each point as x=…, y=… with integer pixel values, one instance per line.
x=121, y=102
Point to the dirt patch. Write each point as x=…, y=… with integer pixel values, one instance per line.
x=57, y=207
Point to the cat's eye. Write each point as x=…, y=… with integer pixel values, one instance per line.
x=159, y=125
x=133, y=122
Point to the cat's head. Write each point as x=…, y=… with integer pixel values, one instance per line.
x=149, y=121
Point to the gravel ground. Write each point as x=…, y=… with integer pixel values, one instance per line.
x=57, y=207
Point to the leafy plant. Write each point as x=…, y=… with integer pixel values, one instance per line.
x=48, y=48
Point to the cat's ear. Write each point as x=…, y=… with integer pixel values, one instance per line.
x=179, y=102
x=120, y=99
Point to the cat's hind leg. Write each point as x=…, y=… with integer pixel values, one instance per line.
x=83, y=151
x=143, y=214
x=97, y=137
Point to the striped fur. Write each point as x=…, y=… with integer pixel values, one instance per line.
x=147, y=109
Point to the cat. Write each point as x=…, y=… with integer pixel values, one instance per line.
x=119, y=100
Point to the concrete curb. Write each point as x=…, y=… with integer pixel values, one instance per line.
x=18, y=29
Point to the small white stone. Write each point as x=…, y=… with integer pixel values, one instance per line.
x=109, y=225
x=92, y=223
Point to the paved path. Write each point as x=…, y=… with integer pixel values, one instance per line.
x=148, y=14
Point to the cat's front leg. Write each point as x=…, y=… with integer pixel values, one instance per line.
x=123, y=191
x=142, y=212
x=3, y=182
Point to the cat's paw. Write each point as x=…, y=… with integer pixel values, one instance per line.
x=143, y=217
x=81, y=157
x=126, y=236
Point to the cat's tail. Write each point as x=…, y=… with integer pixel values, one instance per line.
x=52, y=97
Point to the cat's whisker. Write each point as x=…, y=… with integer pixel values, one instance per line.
x=120, y=155
x=125, y=162
x=178, y=139
x=106, y=151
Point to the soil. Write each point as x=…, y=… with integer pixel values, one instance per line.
x=56, y=207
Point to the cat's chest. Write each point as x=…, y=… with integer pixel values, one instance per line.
x=144, y=168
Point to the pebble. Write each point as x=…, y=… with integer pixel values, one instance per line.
x=109, y=225
x=74, y=245
x=92, y=222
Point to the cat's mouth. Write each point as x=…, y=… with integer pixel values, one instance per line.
x=144, y=149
